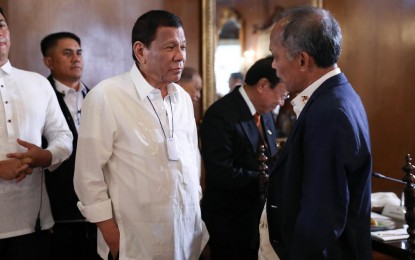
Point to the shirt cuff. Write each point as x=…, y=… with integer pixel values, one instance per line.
x=58, y=156
x=97, y=212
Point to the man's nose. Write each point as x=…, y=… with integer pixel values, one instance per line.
x=76, y=57
x=180, y=55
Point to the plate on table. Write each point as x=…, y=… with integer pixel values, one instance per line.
x=382, y=224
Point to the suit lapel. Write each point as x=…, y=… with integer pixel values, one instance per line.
x=268, y=124
x=251, y=133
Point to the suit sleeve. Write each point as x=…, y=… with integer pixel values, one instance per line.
x=59, y=137
x=95, y=139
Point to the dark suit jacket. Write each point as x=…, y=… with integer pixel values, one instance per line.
x=319, y=193
x=229, y=141
x=59, y=183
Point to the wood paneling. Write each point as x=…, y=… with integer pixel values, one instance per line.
x=104, y=27
x=189, y=13
x=377, y=57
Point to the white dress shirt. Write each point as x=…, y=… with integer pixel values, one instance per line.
x=122, y=169
x=301, y=99
x=73, y=99
x=247, y=100
x=28, y=110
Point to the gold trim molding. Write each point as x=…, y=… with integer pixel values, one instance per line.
x=208, y=52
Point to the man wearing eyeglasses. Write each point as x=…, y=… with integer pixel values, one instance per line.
x=232, y=130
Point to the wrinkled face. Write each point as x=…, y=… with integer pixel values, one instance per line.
x=65, y=61
x=163, y=61
x=272, y=97
x=193, y=87
x=4, y=40
x=287, y=70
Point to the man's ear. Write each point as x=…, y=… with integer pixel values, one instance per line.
x=138, y=49
x=304, y=60
x=48, y=62
x=261, y=85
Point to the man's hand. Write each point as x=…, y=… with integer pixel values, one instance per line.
x=111, y=234
x=39, y=157
x=15, y=168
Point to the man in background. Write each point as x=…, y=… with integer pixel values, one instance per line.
x=319, y=193
x=191, y=81
x=73, y=237
x=235, y=79
x=231, y=132
x=29, y=110
x=136, y=172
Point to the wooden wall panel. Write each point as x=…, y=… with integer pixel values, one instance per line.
x=104, y=27
x=377, y=57
x=189, y=12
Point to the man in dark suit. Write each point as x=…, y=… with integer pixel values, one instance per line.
x=231, y=205
x=73, y=237
x=319, y=192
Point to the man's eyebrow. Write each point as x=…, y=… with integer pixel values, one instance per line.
x=71, y=49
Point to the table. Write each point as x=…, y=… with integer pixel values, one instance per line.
x=396, y=248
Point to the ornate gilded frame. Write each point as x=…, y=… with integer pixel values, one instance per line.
x=208, y=52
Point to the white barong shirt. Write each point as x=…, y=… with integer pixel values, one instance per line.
x=122, y=170
x=28, y=109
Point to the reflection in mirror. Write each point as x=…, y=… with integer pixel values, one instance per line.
x=255, y=40
x=228, y=49
x=263, y=32
x=243, y=38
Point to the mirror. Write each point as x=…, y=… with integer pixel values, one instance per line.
x=228, y=50
x=253, y=18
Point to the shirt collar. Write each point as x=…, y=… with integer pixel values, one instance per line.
x=6, y=68
x=301, y=99
x=144, y=89
x=247, y=100
x=63, y=89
